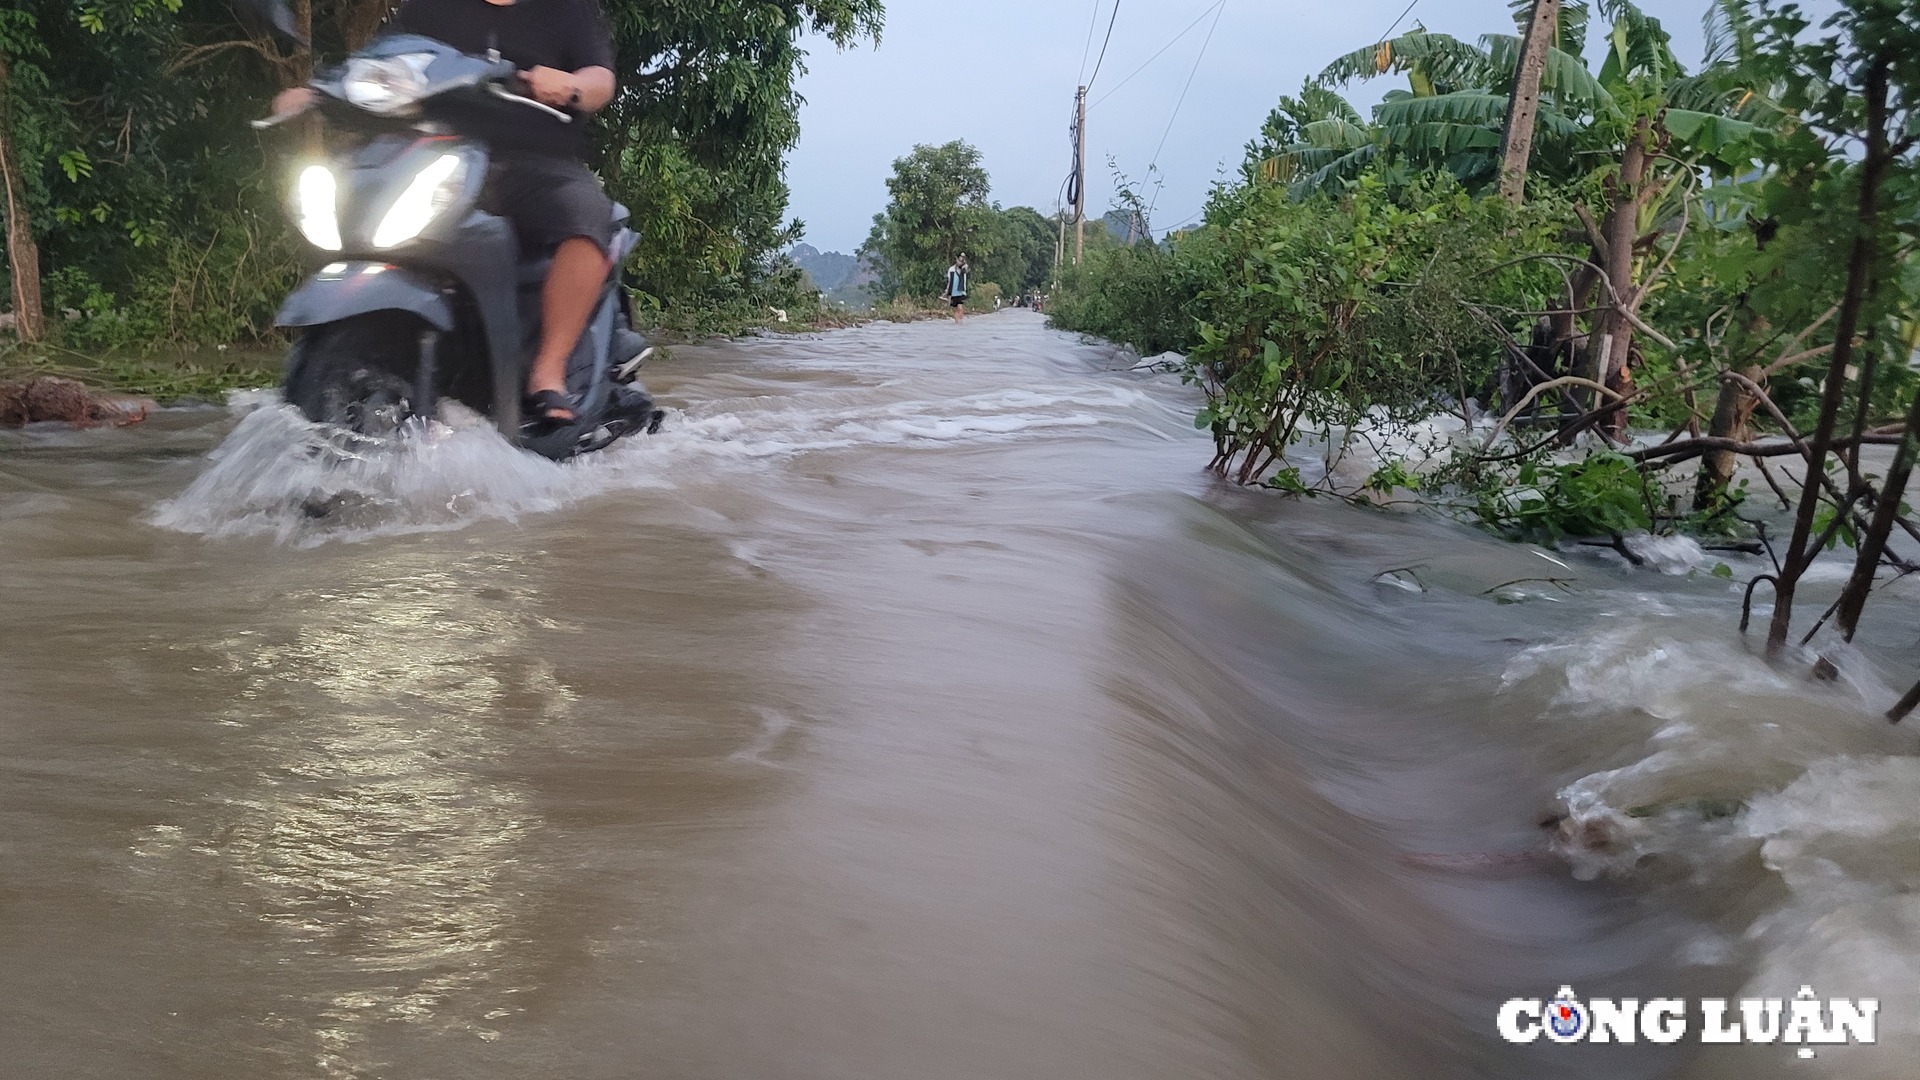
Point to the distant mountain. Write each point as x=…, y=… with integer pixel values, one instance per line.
x=841, y=277
x=829, y=269
x=1120, y=225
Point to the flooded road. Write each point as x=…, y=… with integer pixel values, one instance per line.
x=912, y=707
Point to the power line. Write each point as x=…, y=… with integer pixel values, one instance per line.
x=1103, y=45
x=1185, y=221
x=1170, y=44
x=1080, y=98
x=1383, y=37
x=1087, y=49
x=1073, y=154
x=1196, y=68
x=1220, y=10
x=1072, y=183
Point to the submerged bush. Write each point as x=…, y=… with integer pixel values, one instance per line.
x=1605, y=493
x=1146, y=296
x=1312, y=316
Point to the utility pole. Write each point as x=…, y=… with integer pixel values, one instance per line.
x=1523, y=104
x=1080, y=174
x=1060, y=247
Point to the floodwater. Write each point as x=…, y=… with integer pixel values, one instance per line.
x=912, y=707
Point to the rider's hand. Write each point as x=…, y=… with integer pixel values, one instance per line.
x=551, y=86
x=295, y=100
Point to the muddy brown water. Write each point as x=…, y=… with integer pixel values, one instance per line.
x=913, y=707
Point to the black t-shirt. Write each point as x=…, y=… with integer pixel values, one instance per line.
x=564, y=34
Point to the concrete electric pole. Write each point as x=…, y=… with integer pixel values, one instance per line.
x=1080, y=174
x=1523, y=104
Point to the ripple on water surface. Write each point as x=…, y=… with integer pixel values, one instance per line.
x=278, y=475
x=914, y=732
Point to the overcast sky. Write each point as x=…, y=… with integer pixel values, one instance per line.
x=1001, y=74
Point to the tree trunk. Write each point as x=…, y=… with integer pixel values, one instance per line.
x=1614, y=333
x=1731, y=412
x=1853, y=599
x=23, y=255
x=1523, y=104
x=1859, y=285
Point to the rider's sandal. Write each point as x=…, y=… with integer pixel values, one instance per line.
x=547, y=403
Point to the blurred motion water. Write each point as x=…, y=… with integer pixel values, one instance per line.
x=911, y=707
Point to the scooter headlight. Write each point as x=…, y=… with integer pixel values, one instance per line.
x=313, y=198
x=432, y=190
x=386, y=85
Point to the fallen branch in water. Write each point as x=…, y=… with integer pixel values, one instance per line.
x=1540, y=388
x=1746, y=605
x=1563, y=584
x=47, y=398
x=1905, y=705
x=1675, y=452
x=1619, y=544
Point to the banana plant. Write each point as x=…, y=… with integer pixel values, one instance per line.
x=1450, y=114
x=1638, y=135
x=1449, y=117
x=1309, y=138
x=1662, y=133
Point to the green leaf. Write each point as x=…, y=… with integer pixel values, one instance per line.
x=1565, y=77
x=1438, y=55
x=1289, y=481
x=1708, y=131
x=76, y=164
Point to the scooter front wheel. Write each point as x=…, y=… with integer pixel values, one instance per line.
x=362, y=373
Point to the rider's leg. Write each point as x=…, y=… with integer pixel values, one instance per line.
x=566, y=302
x=556, y=204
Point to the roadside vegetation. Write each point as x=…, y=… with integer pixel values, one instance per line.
x=1569, y=300
x=938, y=208
x=143, y=216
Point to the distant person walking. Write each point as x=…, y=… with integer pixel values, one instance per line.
x=957, y=287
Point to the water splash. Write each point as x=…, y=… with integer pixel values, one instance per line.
x=279, y=476
x=1729, y=777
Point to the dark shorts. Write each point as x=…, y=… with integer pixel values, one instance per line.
x=958, y=300
x=548, y=200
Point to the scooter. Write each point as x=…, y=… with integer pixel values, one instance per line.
x=422, y=297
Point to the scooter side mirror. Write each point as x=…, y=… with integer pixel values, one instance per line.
x=262, y=16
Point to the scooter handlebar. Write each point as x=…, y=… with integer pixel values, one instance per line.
x=505, y=94
x=493, y=88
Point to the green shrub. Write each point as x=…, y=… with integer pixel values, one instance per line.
x=1377, y=306
x=1605, y=493
x=1145, y=296
x=983, y=295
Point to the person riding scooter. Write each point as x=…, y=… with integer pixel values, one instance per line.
x=539, y=180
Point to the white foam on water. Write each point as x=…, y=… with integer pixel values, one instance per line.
x=1743, y=779
x=1677, y=555
x=279, y=476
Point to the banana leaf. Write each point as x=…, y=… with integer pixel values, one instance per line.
x=1710, y=132
x=1340, y=134
x=1565, y=74
x=1440, y=56
x=1344, y=167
